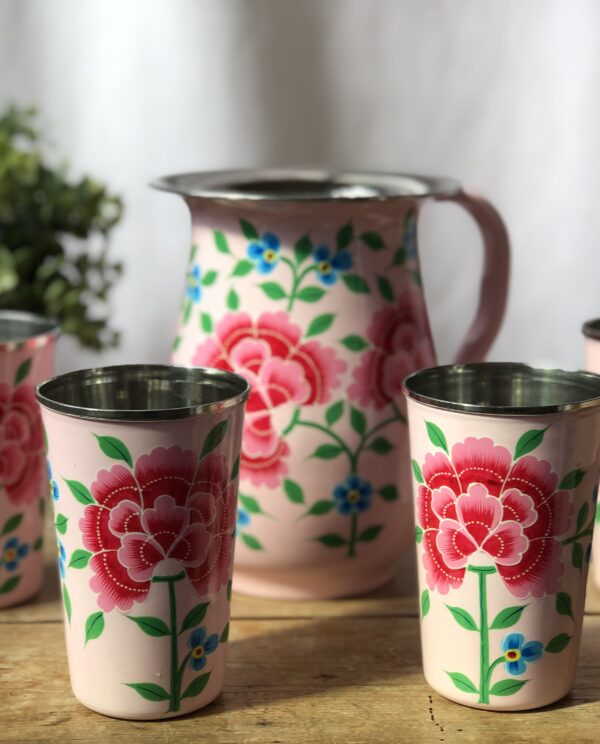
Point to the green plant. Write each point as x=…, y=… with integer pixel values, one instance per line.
x=53, y=236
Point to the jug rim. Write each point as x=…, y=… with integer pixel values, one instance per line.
x=304, y=185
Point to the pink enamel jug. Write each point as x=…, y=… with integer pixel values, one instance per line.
x=308, y=284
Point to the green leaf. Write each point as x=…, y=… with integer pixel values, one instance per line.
x=233, y=299
x=224, y=637
x=418, y=534
x=206, y=323
x=196, y=686
x=80, y=492
x=9, y=584
x=331, y=540
x=436, y=436
x=67, y=602
x=373, y=240
x=564, y=604
x=80, y=558
x=115, y=449
x=370, y=533
x=425, y=602
x=235, y=470
x=389, y=492
x=385, y=288
x=582, y=515
x=229, y=589
x=94, y=626
x=250, y=232
x=273, y=290
x=355, y=343
x=558, y=643
x=381, y=446
x=250, y=504
x=22, y=371
x=334, y=413
x=195, y=616
x=187, y=311
x=320, y=324
x=529, y=441
x=11, y=524
x=214, y=437
x=293, y=491
x=507, y=617
x=152, y=626
x=356, y=283
x=507, y=687
x=320, y=507
x=327, y=451
x=61, y=523
x=209, y=278
x=303, y=249
x=344, y=236
x=37, y=545
x=417, y=471
x=577, y=555
x=42, y=504
x=416, y=277
x=463, y=618
x=310, y=294
x=221, y=242
x=149, y=691
x=251, y=542
x=242, y=267
x=462, y=682
x=176, y=343
x=193, y=252
x=399, y=257
x=572, y=479
x=358, y=420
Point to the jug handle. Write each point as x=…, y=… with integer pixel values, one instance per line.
x=494, y=282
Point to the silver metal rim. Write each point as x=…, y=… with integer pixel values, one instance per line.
x=38, y=330
x=235, y=185
x=591, y=329
x=197, y=374
x=589, y=383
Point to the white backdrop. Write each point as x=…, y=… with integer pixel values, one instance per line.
x=503, y=96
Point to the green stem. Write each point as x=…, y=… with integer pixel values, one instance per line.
x=399, y=415
x=333, y=435
x=588, y=531
x=174, y=706
x=490, y=671
x=374, y=430
x=353, y=525
x=297, y=281
x=484, y=639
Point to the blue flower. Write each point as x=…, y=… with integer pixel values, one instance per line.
x=13, y=552
x=328, y=266
x=201, y=646
x=243, y=518
x=54, y=492
x=265, y=253
x=62, y=558
x=193, y=284
x=353, y=496
x=518, y=654
x=409, y=240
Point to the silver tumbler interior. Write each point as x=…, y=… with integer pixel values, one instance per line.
x=17, y=326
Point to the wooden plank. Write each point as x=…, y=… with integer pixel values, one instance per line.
x=337, y=679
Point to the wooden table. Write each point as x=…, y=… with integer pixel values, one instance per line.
x=336, y=671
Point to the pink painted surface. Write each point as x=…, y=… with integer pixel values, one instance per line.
x=23, y=473
x=320, y=306
x=592, y=363
x=145, y=544
x=502, y=523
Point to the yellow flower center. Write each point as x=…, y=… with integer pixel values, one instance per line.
x=10, y=555
x=325, y=267
x=269, y=256
x=353, y=496
x=512, y=654
x=198, y=652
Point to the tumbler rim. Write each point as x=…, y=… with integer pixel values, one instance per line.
x=591, y=329
x=20, y=329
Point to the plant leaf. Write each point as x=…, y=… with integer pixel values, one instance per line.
x=373, y=240
x=67, y=602
x=417, y=471
x=229, y=589
x=11, y=524
x=242, y=267
x=251, y=542
x=463, y=618
x=529, y=441
x=303, y=249
x=425, y=602
x=149, y=691
x=187, y=311
x=582, y=515
x=221, y=242
x=22, y=371
x=572, y=479
x=327, y=451
x=558, y=643
x=370, y=533
x=250, y=232
x=564, y=604
x=80, y=492
x=310, y=294
x=209, y=278
x=381, y=446
x=577, y=555
x=214, y=437
x=356, y=283
x=385, y=288
x=399, y=257
x=344, y=236
x=235, y=470
x=61, y=523
x=358, y=420
x=293, y=491
x=388, y=493
x=250, y=504
x=320, y=324
x=462, y=682
x=320, y=507
x=354, y=343
x=115, y=449
x=152, y=626
x=224, y=637
x=206, y=323
x=94, y=626
x=80, y=558
x=436, y=436
x=194, y=617
x=332, y=540
x=233, y=299
x=507, y=617
x=334, y=412
x=37, y=545
x=507, y=687
x=418, y=534
x=9, y=584
x=196, y=686
x=273, y=290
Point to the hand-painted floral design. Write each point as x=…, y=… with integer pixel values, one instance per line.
x=265, y=253
x=54, y=491
x=193, y=279
x=353, y=496
x=329, y=265
x=401, y=340
x=518, y=653
x=62, y=559
x=282, y=369
x=201, y=644
x=22, y=461
x=13, y=553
